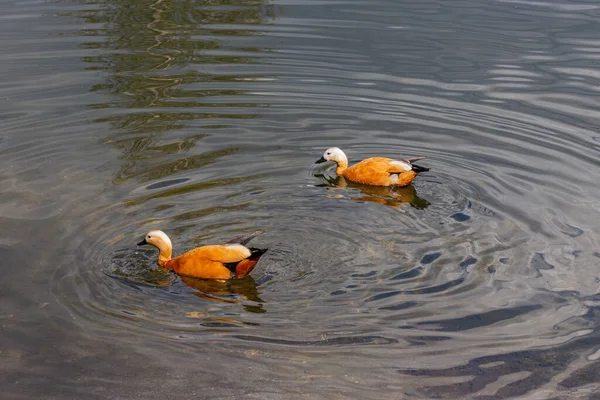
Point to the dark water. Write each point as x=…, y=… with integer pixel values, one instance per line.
x=204, y=119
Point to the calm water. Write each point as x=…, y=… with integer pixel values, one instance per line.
x=204, y=119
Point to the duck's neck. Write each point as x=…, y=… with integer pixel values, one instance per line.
x=164, y=255
x=342, y=165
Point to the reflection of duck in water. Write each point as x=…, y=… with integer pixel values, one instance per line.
x=225, y=261
x=207, y=289
x=377, y=171
x=388, y=195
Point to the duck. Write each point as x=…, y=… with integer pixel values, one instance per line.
x=375, y=171
x=222, y=261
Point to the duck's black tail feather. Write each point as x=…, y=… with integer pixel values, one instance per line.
x=255, y=253
x=244, y=267
x=418, y=168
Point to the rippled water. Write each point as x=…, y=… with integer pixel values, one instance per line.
x=204, y=119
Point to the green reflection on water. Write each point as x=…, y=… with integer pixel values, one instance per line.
x=168, y=167
x=190, y=188
x=171, y=67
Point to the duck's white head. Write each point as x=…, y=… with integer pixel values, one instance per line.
x=158, y=239
x=333, y=154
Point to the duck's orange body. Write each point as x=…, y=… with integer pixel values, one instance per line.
x=207, y=262
x=377, y=171
x=210, y=262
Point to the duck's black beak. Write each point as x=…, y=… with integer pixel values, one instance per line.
x=143, y=242
x=320, y=160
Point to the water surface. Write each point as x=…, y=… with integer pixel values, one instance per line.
x=204, y=119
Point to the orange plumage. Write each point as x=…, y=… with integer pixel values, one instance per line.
x=207, y=262
x=377, y=171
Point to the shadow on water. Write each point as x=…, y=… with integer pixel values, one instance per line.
x=243, y=287
x=387, y=195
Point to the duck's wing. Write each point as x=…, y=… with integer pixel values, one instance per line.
x=224, y=253
x=405, y=165
x=398, y=166
x=381, y=165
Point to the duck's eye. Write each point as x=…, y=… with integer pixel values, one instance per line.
x=328, y=154
x=149, y=237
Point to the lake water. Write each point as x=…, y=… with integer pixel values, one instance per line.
x=204, y=119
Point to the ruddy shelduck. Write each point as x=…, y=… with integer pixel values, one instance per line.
x=224, y=261
x=376, y=171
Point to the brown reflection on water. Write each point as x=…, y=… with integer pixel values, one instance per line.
x=162, y=65
x=387, y=195
x=213, y=290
